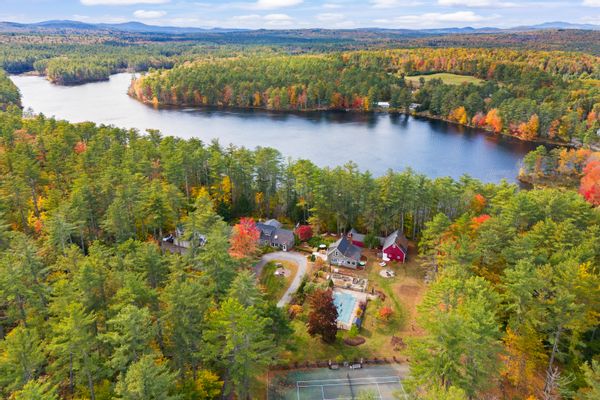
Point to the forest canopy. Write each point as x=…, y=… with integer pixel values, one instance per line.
x=531, y=95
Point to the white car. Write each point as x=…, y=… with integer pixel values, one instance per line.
x=382, y=264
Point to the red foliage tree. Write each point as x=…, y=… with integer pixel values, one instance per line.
x=385, y=313
x=480, y=220
x=80, y=147
x=322, y=319
x=590, y=182
x=244, y=238
x=304, y=232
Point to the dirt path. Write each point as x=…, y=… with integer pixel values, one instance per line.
x=296, y=258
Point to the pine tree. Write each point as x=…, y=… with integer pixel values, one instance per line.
x=36, y=390
x=147, y=380
x=21, y=358
x=73, y=347
x=130, y=334
x=462, y=342
x=238, y=342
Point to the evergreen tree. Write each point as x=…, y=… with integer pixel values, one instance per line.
x=238, y=342
x=147, y=380
x=21, y=358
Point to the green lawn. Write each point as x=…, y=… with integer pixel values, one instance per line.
x=449, y=79
x=275, y=286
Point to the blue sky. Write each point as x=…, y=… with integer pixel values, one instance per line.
x=308, y=13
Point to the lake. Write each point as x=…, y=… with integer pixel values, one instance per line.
x=376, y=142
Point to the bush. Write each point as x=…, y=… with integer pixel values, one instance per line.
x=385, y=313
x=315, y=241
x=304, y=232
x=354, y=331
x=371, y=241
x=295, y=310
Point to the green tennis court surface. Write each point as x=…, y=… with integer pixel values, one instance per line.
x=383, y=381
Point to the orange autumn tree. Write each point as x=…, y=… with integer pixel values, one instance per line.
x=244, y=239
x=478, y=203
x=493, y=120
x=590, y=182
x=529, y=130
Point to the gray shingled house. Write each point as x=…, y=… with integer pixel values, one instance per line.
x=344, y=254
x=272, y=234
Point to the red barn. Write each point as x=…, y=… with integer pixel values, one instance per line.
x=395, y=246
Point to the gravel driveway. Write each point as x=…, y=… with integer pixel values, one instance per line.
x=297, y=258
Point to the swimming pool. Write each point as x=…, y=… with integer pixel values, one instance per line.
x=345, y=304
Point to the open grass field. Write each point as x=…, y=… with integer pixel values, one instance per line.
x=275, y=286
x=447, y=78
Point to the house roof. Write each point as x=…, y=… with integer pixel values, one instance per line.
x=265, y=229
x=345, y=247
x=273, y=222
x=270, y=232
x=283, y=236
x=356, y=236
x=397, y=238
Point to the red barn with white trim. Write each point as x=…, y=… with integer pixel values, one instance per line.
x=395, y=246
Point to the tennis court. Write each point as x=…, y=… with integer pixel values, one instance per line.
x=383, y=381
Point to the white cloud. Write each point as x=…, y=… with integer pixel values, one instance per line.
x=330, y=17
x=278, y=20
x=477, y=3
x=273, y=4
x=591, y=3
x=147, y=14
x=121, y=2
x=331, y=6
x=394, y=3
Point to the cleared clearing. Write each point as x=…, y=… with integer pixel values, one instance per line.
x=448, y=79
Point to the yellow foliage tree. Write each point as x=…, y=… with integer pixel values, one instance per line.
x=459, y=115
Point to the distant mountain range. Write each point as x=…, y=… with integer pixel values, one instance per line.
x=57, y=26
x=132, y=27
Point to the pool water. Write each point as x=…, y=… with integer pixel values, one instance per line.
x=345, y=304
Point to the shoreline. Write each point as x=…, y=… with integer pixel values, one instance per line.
x=422, y=114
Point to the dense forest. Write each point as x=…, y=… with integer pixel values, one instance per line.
x=89, y=302
x=516, y=298
x=531, y=95
x=91, y=308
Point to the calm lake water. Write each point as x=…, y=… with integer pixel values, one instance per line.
x=376, y=142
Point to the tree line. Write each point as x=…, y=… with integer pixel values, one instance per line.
x=9, y=93
x=532, y=95
x=77, y=59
